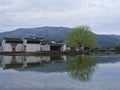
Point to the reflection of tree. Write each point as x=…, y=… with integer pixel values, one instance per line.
x=81, y=68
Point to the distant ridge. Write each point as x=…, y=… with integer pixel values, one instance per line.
x=59, y=34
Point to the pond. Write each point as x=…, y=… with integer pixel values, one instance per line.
x=85, y=72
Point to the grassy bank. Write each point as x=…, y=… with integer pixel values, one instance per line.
x=46, y=53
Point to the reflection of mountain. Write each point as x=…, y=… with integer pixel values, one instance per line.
x=108, y=58
x=81, y=68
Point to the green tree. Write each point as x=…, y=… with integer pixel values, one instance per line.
x=81, y=36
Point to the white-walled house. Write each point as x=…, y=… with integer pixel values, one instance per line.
x=31, y=44
x=63, y=47
x=12, y=45
x=45, y=45
x=49, y=45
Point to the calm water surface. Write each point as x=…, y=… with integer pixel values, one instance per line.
x=94, y=72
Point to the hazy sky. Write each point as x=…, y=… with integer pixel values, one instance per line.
x=102, y=15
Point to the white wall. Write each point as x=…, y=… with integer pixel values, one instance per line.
x=64, y=47
x=45, y=48
x=19, y=47
x=8, y=48
x=32, y=47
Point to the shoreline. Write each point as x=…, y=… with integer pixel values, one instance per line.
x=54, y=52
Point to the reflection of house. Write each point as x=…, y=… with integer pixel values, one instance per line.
x=31, y=45
x=45, y=58
x=12, y=61
x=30, y=61
x=12, y=44
x=1, y=47
x=23, y=61
x=1, y=57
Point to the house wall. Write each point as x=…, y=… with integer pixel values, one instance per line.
x=64, y=47
x=7, y=47
x=32, y=47
x=45, y=48
x=19, y=47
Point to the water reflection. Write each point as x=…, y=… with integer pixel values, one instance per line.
x=81, y=68
x=12, y=61
x=27, y=61
x=52, y=73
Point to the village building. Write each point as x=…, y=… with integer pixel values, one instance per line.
x=49, y=45
x=12, y=45
x=45, y=45
x=31, y=44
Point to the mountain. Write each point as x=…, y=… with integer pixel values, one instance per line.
x=59, y=34
x=107, y=41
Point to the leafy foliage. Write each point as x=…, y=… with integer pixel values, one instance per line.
x=81, y=36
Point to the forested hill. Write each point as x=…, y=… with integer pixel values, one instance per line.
x=57, y=33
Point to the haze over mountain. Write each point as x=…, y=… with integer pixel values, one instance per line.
x=59, y=34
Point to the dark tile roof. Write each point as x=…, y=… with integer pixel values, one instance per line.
x=49, y=42
x=44, y=42
x=13, y=40
x=33, y=40
x=56, y=44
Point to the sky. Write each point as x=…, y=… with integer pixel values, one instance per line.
x=103, y=16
